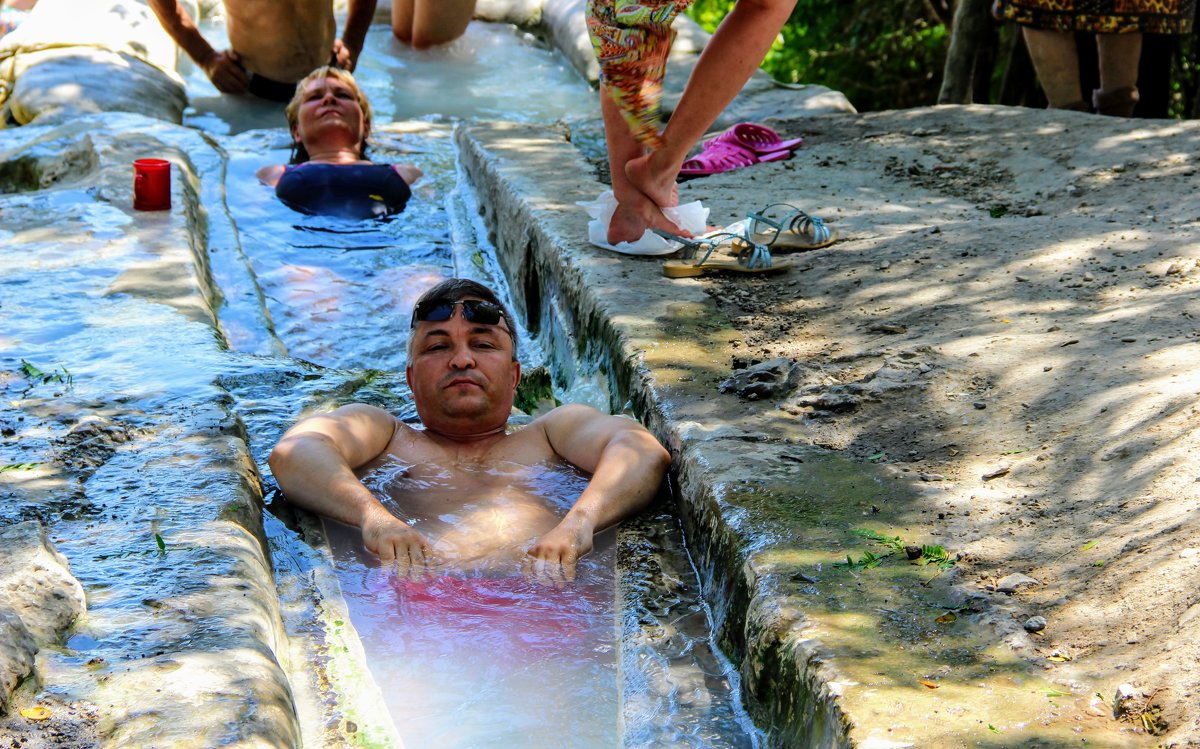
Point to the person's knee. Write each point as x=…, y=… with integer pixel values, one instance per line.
x=422, y=38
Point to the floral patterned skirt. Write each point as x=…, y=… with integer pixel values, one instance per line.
x=1100, y=16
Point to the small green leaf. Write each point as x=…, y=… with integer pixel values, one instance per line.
x=1088, y=545
x=19, y=467
x=1017, y=451
x=162, y=545
x=1098, y=564
x=877, y=457
x=1056, y=693
x=31, y=371
x=993, y=729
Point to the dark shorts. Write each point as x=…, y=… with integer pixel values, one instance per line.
x=273, y=90
x=270, y=89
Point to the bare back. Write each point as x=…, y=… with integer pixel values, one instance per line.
x=284, y=40
x=479, y=511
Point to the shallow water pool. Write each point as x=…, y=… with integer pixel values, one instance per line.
x=315, y=312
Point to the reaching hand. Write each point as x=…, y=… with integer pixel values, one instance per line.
x=224, y=69
x=393, y=540
x=554, y=555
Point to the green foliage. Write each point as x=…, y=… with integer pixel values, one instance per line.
x=37, y=376
x=892, y=542
x=19, y=467
x=931, y=554
x=868, y=561
x=935, y=554
x=881, y=55
x=535, y=393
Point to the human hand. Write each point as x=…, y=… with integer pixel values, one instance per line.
x=393, y=540
x=225, y=71
x=344, y=56
x=554, y=555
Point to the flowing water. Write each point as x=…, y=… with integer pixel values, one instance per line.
x=315, y=312
x=488, y=656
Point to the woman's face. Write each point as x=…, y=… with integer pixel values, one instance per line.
x=329, y=109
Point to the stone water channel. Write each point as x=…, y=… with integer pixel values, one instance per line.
x=143, y=384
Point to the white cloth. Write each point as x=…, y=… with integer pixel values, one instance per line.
x=691, y=217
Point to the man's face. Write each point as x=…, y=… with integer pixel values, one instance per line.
x=462, y=374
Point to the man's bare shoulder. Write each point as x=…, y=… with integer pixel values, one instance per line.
x=568, y=414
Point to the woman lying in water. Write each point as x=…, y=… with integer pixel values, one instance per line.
x=329, y=173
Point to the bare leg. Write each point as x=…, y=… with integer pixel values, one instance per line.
x=1119, y=58
x=635, y=211
x=735, y=51
x=425, y=23
x=1056, y=61
x=402, y=19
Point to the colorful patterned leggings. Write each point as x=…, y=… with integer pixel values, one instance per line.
x=632, y=39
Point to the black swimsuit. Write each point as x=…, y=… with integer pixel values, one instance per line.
x=352, y=191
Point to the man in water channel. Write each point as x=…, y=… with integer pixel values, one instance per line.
x=467, y=488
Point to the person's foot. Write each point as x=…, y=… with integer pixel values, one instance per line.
x=634, y=215
x=657, y=182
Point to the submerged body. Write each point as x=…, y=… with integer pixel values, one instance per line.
x=479, y=519
x=353, y=191
x=478, y=655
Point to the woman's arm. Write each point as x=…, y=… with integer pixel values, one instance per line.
x=269, y=175
x=408, y=172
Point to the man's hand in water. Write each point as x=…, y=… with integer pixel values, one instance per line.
x=225, y=71
x=393, y=540
x=554, y=555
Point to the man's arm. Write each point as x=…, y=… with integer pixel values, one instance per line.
x=627, y=466
x=314, y=464
x=346, y=50
x=222, y=68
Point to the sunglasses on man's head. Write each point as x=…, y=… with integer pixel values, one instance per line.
x=473, y=310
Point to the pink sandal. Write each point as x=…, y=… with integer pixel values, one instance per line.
x=717, y=158
x=758, y=139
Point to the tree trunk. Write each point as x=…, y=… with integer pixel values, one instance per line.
x=972, y=22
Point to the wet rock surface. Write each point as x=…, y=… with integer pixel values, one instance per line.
x=36, y=583
x=139, y=474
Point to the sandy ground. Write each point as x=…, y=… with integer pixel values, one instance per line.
x=1011, y=320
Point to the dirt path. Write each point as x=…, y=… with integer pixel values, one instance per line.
x=1011, y=320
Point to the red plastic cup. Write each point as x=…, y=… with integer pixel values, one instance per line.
x=151, y=185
